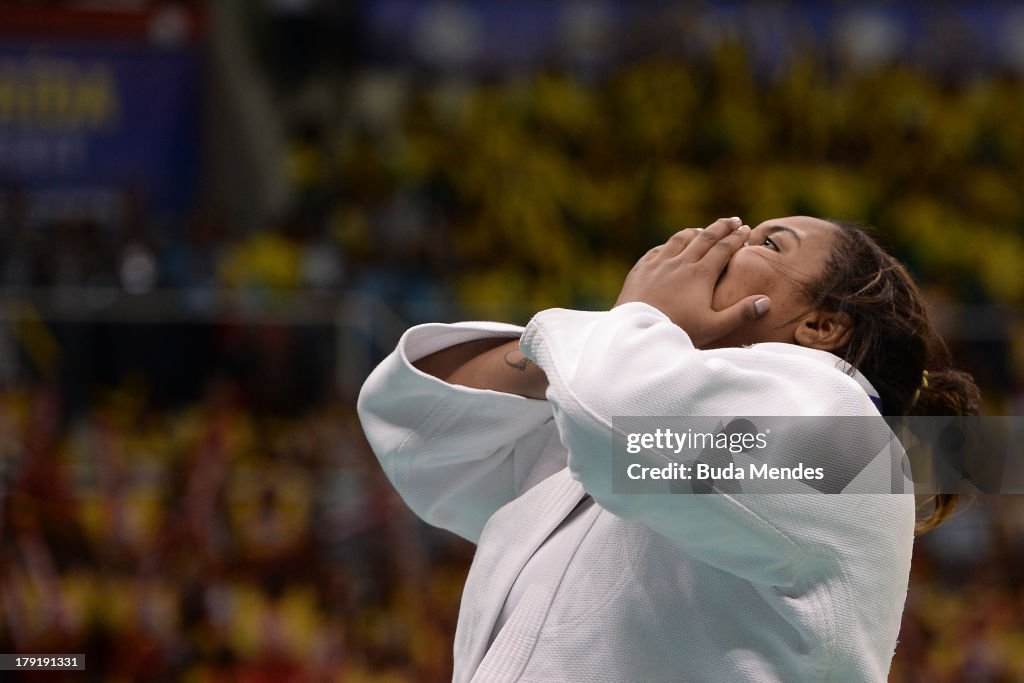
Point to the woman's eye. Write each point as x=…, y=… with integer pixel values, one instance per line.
x=770, y=244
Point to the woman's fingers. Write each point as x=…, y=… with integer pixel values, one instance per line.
x=716, y=258
x=705, y=239
x=680, y=242
x=678, y=277
x=737, y=315
x=710, y=247
x=677, y=242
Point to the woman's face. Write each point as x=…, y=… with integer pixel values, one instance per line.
x=782, y=256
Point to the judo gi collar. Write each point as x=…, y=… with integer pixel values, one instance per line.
x=829, y=359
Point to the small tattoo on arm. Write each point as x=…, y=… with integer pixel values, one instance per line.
x=519, y=364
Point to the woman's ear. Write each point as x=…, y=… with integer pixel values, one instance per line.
x=823, y=330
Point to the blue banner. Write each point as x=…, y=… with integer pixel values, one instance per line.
x=93, y=131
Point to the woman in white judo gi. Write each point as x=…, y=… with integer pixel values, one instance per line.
x=503, y=435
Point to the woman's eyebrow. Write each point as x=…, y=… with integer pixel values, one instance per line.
x=772, y=229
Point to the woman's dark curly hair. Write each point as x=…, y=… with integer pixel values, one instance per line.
x=893, y=339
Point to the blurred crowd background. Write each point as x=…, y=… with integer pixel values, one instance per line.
x=216, y=217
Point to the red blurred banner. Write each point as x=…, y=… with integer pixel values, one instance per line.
x=159, y=22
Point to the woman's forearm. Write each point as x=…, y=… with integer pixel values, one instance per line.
x=494, y=364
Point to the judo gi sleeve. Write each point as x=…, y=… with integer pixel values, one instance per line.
x=633, y=361
x=454, y=454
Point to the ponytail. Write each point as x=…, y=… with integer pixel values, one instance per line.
x=943, y=392
x=947, y=392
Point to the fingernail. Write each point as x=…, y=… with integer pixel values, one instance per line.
x=761, y=305
x=743, y=228
x=735, y=219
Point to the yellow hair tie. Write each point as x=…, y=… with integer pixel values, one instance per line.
x=923, y=385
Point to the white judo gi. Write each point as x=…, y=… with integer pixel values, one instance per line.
x=654, y=587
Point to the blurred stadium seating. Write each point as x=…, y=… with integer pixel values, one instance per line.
x=185, y=493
